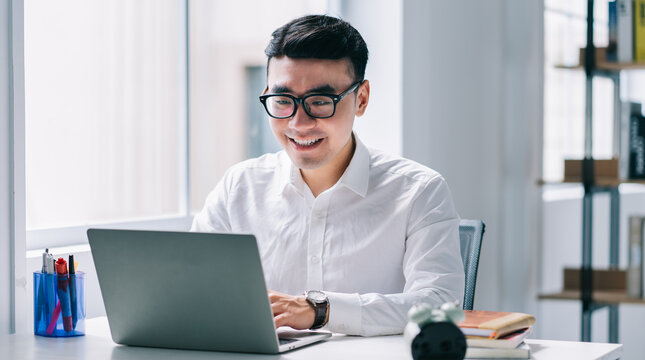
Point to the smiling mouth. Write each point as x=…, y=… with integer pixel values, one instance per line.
x=305, y=143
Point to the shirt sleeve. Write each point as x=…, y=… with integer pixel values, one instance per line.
x=214, y=217
x=432, y=267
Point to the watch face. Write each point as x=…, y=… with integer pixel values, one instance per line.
x=316, y=295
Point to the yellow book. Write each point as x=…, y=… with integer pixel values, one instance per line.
x=639, y=30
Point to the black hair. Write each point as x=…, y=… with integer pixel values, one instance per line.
x=320, y=37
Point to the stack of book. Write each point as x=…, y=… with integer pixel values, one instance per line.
x=635, y=275
x=626, y=31
x=496, y=335
x=636, y=141
x=630, y=165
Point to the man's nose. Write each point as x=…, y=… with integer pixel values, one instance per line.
x=301, y=120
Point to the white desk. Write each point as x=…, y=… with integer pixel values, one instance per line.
x=97, y=345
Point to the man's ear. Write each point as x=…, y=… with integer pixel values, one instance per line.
x=363, y=97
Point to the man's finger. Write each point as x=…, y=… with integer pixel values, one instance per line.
x=278, y=308
x=281, y=320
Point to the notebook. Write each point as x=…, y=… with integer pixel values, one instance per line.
x=186, y=290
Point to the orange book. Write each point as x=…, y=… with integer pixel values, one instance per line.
x=494, y=324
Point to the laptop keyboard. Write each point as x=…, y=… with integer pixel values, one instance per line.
x=286, y=341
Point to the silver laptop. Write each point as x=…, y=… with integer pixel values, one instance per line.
x=184, y=290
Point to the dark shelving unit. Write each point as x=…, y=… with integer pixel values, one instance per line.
x=594, y=300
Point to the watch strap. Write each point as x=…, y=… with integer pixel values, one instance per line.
x=320, y=308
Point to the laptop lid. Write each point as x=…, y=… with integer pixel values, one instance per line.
x=184, y=290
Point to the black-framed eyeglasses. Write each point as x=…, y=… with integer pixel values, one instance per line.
x=319, y=106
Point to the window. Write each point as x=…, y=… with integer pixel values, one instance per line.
x=104, y=111
x=134, y=109
x=564, y=90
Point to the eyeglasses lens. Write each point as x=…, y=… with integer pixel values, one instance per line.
x=319, y=106
x=280, y=106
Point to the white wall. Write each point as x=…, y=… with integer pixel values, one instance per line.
x=465, y=86
x=5, y=212
x=472, y=107
x=380, y=127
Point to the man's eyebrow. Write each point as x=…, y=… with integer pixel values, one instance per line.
x=323, y=89
x=277, y=89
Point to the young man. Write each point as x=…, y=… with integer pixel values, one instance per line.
x=362, y=234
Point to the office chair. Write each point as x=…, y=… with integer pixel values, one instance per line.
x=471, y=233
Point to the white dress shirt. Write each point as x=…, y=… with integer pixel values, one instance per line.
x=384, y=237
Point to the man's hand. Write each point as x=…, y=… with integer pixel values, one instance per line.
x=293, y=311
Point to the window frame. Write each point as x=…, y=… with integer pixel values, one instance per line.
x=75, y=235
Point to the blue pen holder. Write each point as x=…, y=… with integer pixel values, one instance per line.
x=56, y=318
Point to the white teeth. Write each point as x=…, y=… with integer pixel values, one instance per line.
x=305, y=142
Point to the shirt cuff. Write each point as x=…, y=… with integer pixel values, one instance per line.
x=344, y=313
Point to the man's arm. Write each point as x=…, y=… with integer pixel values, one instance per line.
x=214, y=216
x=432, y=267
x=383, y=314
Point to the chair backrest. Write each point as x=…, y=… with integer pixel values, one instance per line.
x=471, y=233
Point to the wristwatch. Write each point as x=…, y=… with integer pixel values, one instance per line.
x=319, y=301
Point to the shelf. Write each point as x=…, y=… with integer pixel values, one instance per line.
x=602, y=64
x=602, y=182
x=606, y=66
x=601, y=297
x=598, y=182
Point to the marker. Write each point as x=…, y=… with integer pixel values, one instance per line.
x=63, y=294
x=72, y=290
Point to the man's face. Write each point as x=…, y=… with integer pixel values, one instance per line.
x=312, y=143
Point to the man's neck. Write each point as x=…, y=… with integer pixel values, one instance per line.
x=325, y=177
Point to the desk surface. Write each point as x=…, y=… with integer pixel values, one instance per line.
x=97, y=344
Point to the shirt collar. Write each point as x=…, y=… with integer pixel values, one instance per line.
x=355, y=177
x=289, y=174
x=357, y=174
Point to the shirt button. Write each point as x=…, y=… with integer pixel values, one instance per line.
x=315, y=259
x=318, y=214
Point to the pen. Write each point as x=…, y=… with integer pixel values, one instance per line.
x=50, y=285
x=50, y=268
x=63, y=294
x=53, y=309
x=72, y=290
x=48, y=265
x=44, y=270
x=54, y=319
x=41, y=306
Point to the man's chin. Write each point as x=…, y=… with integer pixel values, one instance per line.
x=306, y=163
